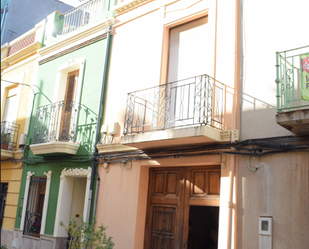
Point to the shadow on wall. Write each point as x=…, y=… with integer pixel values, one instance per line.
x=261, y=123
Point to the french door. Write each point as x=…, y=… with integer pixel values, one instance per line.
x=171, y=192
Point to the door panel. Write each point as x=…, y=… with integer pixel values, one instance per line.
x=165, y=195
x=205, y=182
x=163, y=227
x=169, y=200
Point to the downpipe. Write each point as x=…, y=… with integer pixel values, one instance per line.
x=93, y=169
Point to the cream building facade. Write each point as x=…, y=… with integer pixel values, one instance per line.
x=18, y=72
x=190, y=133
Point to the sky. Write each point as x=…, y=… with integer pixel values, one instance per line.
x=74, y=3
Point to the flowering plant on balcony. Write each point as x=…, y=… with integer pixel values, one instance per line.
x=35, y=227
x=5, y=140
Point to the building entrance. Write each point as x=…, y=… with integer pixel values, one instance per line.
x=178, y=197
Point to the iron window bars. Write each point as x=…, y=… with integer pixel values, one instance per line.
x=35, y=204
x=9, y=135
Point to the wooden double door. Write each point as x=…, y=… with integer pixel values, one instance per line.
x=171, y=192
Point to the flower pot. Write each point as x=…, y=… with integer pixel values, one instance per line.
x=5, y=146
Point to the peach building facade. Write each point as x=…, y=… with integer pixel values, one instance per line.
x=190, y=105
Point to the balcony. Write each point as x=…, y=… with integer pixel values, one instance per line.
x=189, y=111
x=62, y=128
x=9, y=136
x=292, y=80
x=80, y=16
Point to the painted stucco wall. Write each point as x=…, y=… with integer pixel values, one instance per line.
x=11, y=172
x=122, y=198
x=279, y=188
x=143, y=59
x=56, y=169
x=91, y=85
x=269, y=27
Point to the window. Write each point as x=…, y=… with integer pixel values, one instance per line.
x=11, y=105
x=35, y=203
x=4, y=190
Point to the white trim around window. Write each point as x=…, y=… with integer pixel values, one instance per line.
x=61, y=80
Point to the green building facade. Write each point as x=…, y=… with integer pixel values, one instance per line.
x=59, y=179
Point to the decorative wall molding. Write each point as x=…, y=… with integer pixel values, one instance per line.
x=62, y=75
x=128, y=5
x=48, y=174
x=73, y=48
x=64, y=202
x=76, y=172
x=46, y=200
x=29, y=174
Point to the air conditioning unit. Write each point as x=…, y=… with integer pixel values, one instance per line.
x=22, y=141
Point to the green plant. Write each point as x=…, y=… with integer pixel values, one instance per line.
x=4, y=247
x=5, y=138
x=85, y=236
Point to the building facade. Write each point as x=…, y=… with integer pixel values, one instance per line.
x=192, y=155
x=57, y=183
x=202, y=108
x=18, y=71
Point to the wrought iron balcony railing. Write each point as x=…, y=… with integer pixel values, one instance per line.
x=290, y=74
x=9, y=135
x=81, y=15
x=194, y=101
x=65, y=121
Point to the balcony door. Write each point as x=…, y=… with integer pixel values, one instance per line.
x=172, y=195
x=189, y=56
x=69, y=111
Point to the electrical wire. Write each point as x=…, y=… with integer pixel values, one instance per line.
x=250, y=147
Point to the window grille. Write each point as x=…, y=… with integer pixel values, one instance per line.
x=4, y=190
x=35, y=204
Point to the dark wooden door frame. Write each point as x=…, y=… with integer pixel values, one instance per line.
x=198, y=186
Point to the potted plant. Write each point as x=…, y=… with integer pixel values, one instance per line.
x=5, y=140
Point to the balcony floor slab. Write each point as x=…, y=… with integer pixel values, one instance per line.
x=55, y=147
x=295, y=121
x=6, y=154
x=176, y=137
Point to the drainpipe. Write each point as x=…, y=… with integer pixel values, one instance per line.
x=96, y=194
x=93, y=170
x=230, y=205
x=235, y=123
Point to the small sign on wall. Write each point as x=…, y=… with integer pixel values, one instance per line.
x=304, y=60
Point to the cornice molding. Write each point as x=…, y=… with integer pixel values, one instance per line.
x=20, y=63
x=20, y=55
x=128, y=5
x=75, y=37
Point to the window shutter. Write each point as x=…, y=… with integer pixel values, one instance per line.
x=188, y=50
